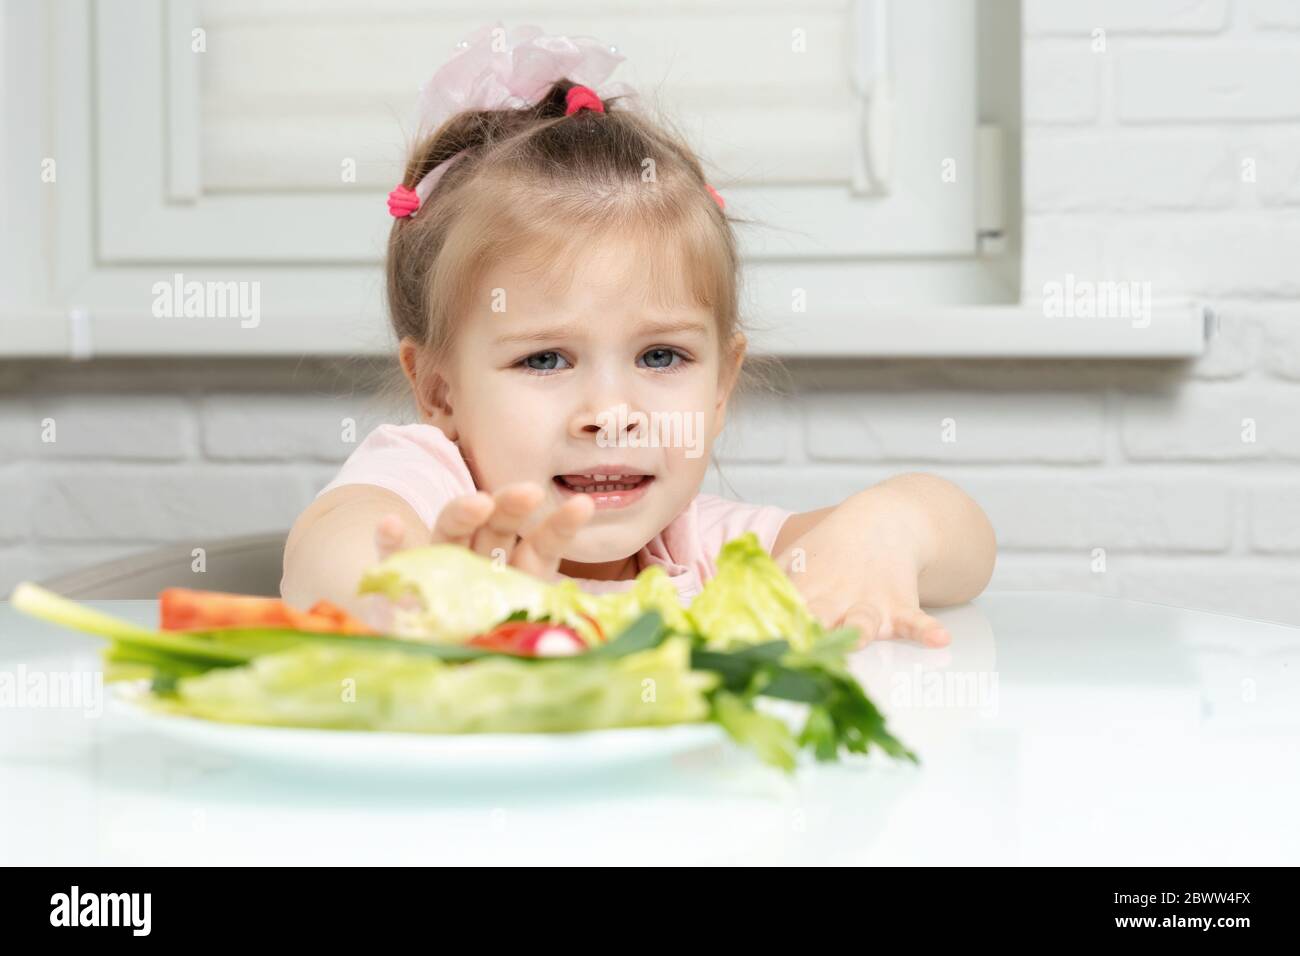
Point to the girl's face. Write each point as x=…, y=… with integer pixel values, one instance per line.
x=600, y=378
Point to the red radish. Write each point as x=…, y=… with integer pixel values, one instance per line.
x=531, y=639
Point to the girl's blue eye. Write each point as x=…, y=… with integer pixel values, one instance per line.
x=663, y=358
x=547, y=362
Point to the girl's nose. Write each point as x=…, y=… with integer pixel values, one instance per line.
x=613, y=420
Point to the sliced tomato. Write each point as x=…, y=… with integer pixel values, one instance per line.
x=531, y=639
x=186, y=609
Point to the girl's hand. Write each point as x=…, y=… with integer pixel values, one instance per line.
x=877, y=595
x=489, y=524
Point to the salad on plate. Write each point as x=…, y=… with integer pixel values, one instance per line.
x=456, y=643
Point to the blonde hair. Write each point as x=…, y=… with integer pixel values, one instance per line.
x=537, y=185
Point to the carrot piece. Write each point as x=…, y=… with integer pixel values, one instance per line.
x=339, y=620
x=187, y=609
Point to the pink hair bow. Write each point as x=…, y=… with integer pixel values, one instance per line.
x=496, y=68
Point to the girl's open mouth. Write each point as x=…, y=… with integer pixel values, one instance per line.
x=608, y=491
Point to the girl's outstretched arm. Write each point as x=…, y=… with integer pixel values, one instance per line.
x=350, y=528
x=874, y=560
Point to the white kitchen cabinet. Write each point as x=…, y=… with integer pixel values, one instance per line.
x=233, y=141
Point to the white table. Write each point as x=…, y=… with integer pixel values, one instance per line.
x=1058, y=728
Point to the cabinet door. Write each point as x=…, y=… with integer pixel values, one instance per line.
x=253, y=141
x=270, y=131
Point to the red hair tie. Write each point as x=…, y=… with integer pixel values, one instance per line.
x=582, y=98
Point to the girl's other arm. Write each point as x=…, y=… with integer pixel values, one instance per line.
x=873, y=560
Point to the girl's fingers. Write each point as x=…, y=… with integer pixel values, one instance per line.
x=919, y=626
x=514, y=503
x=460, y=518
x=539, y=553
x=390, y=535
x=867, y=619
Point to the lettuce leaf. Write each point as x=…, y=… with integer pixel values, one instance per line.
x=446, y=594
x=335, y=687
x=652, y=590
x=768, y=736
x=751, y=600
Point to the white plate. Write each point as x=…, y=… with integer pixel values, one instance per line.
x=378, y=751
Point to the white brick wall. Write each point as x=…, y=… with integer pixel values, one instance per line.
x=1133, y=169
x=145, y=455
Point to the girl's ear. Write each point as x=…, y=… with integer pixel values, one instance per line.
x=428, y=386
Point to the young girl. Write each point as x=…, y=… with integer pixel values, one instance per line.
x=563, y=284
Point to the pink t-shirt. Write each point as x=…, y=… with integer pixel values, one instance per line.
x=425, y=468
